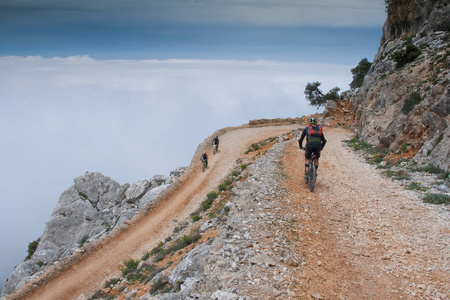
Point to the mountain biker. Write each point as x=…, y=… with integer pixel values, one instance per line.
x=216, y=142
x=315, y=141
x=204, y=158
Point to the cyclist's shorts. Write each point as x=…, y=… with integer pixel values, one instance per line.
x=313, y=147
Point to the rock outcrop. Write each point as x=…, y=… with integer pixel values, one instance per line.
x=405, y=107
x=87, y=211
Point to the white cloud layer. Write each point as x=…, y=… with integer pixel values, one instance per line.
x=127, y=119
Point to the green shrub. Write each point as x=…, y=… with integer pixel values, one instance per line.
x=32, y=248
x=183, y=242
x=205, y=205
x=129, y=265
x=243, y=167
x=397, y=175
x=414, y=186
x=159, y=256
x=430, y=168
x=222, y=187
x=356, y=144
x=402, y=57
x=160, y=286
x=404, y=147
x=225, y=185
x=254, y=147
x=111, y=282
x=195, y=218
x=235, y=173
x=226, y=210
x=413, y=99
x=146, y=255
x=437, y=199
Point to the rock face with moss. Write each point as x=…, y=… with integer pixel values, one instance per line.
x=86, y=212
x=404, y=102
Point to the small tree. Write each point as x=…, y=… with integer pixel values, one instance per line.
x=359, y=72
x=315, y=96
x=32, y=248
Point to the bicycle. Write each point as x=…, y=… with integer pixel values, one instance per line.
x=311, y=177
x=215, y=149
x=204, y=164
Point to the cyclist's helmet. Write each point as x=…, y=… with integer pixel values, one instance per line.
x=312, y=121
x=204, y=153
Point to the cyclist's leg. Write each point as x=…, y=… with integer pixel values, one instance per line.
x=308, y=152
x=317, y=154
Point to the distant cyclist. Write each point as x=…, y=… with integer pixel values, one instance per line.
x=216, y=142
x=204, y=158
x=315, y=141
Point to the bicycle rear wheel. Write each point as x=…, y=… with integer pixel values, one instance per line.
x=312, y=177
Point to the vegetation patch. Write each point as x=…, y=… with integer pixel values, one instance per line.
x=397, y=175
x=225, y=185
x=404, y=147
x=356, y=144
x=402, y=57
x=129, y=265
x=160, y=286
x=413, y=99
x=210, y=197
x=414, y=186
x=432, y=169
x=437, y=199
x=183, y=242
x=32, y=248
x=111, y=282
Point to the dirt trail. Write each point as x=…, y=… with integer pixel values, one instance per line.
x=363, y=236
x=87, y=276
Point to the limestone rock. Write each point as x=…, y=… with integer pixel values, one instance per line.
x=410, y=105
x=86, y=212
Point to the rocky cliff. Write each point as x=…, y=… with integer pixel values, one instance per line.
x=404, y=102
x=87, y=211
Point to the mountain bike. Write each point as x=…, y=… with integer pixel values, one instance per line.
x=204, y=164
x=215, y=149
x=311, y=177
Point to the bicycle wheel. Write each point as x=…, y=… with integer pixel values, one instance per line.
x=214, y=149
x=312, y=177
x=204, y=166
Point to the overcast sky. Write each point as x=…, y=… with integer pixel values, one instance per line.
x=130, y=88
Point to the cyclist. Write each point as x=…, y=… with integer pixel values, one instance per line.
x=204, y=158
x=216, y=142
x=315, y=141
